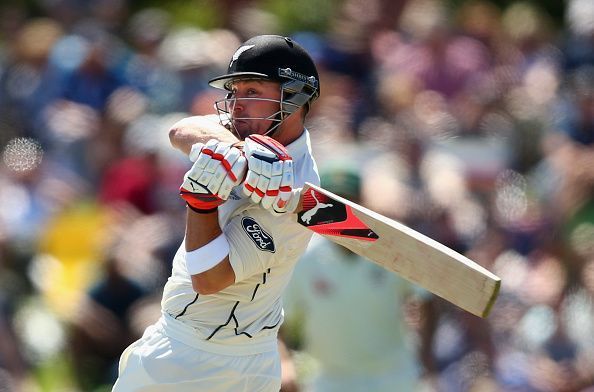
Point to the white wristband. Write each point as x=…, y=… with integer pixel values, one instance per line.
x=206, y=257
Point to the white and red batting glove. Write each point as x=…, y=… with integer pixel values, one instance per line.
x=269, y=179
x=217, y=168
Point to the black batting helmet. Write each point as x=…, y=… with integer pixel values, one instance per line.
x=272, y=57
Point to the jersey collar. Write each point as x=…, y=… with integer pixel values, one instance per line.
x=300, y=146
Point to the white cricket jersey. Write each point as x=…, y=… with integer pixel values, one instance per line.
x=263, y=251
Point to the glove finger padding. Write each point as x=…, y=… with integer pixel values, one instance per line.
x=271, y=195
x=217, y=168
x=285, y=189
x=236, y=167
x=269, y=179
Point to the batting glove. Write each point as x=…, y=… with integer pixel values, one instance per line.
x=269, y=180
x=217, y=168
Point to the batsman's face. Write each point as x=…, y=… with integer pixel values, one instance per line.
x=255, y=105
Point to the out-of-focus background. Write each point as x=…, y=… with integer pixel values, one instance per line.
x=471, y=121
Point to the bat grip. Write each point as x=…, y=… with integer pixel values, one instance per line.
x=295, y=204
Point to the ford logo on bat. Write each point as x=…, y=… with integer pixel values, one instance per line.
x=262, y=239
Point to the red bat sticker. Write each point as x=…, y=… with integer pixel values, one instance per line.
x=331, y=217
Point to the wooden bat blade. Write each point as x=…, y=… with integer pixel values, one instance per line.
x=400, y=249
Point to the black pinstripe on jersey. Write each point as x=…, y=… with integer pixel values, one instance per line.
x=187, y=306
x=234, y=318
x=232, y=314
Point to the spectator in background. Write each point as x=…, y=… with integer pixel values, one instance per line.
x=27, y=79
x=96, y=76
x=349, y=314
x=13, y=366
x=101, y=328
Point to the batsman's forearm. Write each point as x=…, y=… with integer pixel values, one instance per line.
x=197, y=129
x=201, y=229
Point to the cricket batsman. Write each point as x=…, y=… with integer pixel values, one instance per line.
x=221, y=306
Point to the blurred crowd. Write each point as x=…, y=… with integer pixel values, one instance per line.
x=473, y=124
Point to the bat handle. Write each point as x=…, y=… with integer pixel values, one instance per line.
x=295, y=203
x=297, y=197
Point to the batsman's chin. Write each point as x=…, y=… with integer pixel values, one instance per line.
x=243, y=128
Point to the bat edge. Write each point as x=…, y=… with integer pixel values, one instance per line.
x=492, y=299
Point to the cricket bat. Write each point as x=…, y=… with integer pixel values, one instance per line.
x=398, y=248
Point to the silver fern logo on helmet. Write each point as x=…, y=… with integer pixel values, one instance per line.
x=238, y=53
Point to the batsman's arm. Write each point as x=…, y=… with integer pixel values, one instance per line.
x=198, y=129
x=201, y=229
